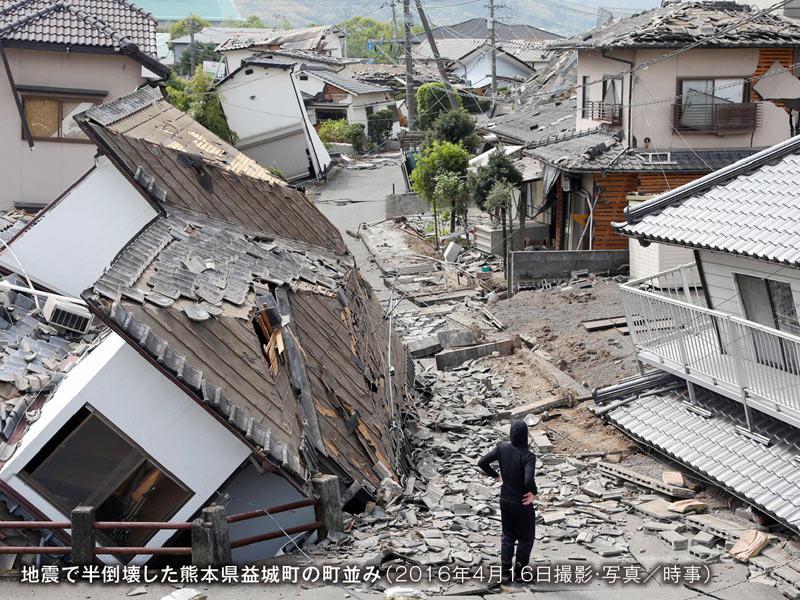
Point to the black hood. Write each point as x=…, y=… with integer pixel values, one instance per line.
x=519, y=434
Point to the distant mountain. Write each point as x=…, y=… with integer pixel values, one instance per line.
x=559, y=16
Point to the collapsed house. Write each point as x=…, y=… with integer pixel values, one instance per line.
x=725, y=328
x=224, y=347
x=264, y=106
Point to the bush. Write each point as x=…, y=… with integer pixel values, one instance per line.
x=379, y=126
x=356, y=136
x=455, y=126
x=475, y=104
x=499, y=168
x=437, y=159
x=333, y=132
x=196, y=96
x=431, y=101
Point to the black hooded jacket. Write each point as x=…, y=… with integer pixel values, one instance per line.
x=517, y=464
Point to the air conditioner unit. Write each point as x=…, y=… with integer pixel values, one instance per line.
x=65, y=315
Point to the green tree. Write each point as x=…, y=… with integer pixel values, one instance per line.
x=432, y=101
x=449, y=191
x=455, y=126
x=356, y=136
x=196, y=96
x=360, y=30
x=436, y=159
x=251, y=22
x=379, y=126
x=499, y=167
x=499, y=202
x=201, y=52
x=183, y=26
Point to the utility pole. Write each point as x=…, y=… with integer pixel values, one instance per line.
x=411, y=100
x=394, y=19
x=191, y=44
x=435, y=50
x=493, y=43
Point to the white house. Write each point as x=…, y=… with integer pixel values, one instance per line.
x=197, y=360
x=61, y=58
x=332, y=95
x=731, y=341
x=264, y=106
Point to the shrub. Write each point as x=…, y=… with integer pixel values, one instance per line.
x=432, y=100
x=356, y=136
x=379, y=126
x=333, y=131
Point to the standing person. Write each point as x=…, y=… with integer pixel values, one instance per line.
x=517, y=474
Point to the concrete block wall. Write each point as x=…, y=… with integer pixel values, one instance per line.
x=532, y=266
x=409, y=203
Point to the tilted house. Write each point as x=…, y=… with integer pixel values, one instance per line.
x=725, y=328
x=263, y=104
x=60, y=58
x=663, y=98
x=237, y=350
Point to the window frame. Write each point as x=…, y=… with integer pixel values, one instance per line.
x=585, y=110
x=61, y=98
x=746, y=92
x=26, y=474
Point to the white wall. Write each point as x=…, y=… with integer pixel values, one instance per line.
x=592, y=64
x=719, y=270
x=265, y=110
x=71, y=244
x=479, y=68
x=40, y=174
x=152, y=411
x=649, y=260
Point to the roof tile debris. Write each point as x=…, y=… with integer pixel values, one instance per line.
x=306, y=38
x=766, y=475
x=458, y=48
x=91, y=23
x=531, y=124
x=477, y=28
x=751, y=208
x=348, y=84
x=714, y=24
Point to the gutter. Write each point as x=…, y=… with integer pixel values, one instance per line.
x=632, y=65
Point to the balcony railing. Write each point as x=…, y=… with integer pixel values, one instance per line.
x=604, y=112
x=716, y=118
x=673, y=329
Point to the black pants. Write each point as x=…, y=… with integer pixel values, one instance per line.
x=519, y=527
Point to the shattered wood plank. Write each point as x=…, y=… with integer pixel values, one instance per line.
x=431, y=299
x=644, y=481
x=602, y=324
x=539, y=406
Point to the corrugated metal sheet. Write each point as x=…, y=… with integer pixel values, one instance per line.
x=95, y=23
x=753, y=210
x=765, y=475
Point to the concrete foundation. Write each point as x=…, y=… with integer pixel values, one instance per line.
x=527, y=267
x=450, y=359
x=409, y=203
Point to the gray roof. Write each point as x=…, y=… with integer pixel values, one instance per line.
x=449, y=49
x=764, y=475
x=301, y=56
x=477, y=28
x=530, y=124
x=751, y=207
x=718, y=24
x=555, y=80
x=348, y=84
x=218, y=35
x=114, y=24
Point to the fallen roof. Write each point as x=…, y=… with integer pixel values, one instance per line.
x=749, y=207
x=244, y=295
x=556, y=80
x=300, y=56
x=532, y=124
x=216, y=35
x=715, y=24
x=199, y=171
x=348, y=84
x=305, y=38
x=115, y=25
x=710, y=443
x=389, y=74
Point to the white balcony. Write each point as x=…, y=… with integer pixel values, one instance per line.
x=673, y=329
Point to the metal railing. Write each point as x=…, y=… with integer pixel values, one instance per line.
x=603, y=112
x=671, y=326
x=716, y=118
x=87, y=542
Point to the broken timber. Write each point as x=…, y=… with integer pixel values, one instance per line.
x=602, y=324
x=645, y=481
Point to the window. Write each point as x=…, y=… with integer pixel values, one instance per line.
x=712, y=105
x=89, y=463
x=52, y=117
x=585, y=112
x=612, y=90
x=771, y=303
